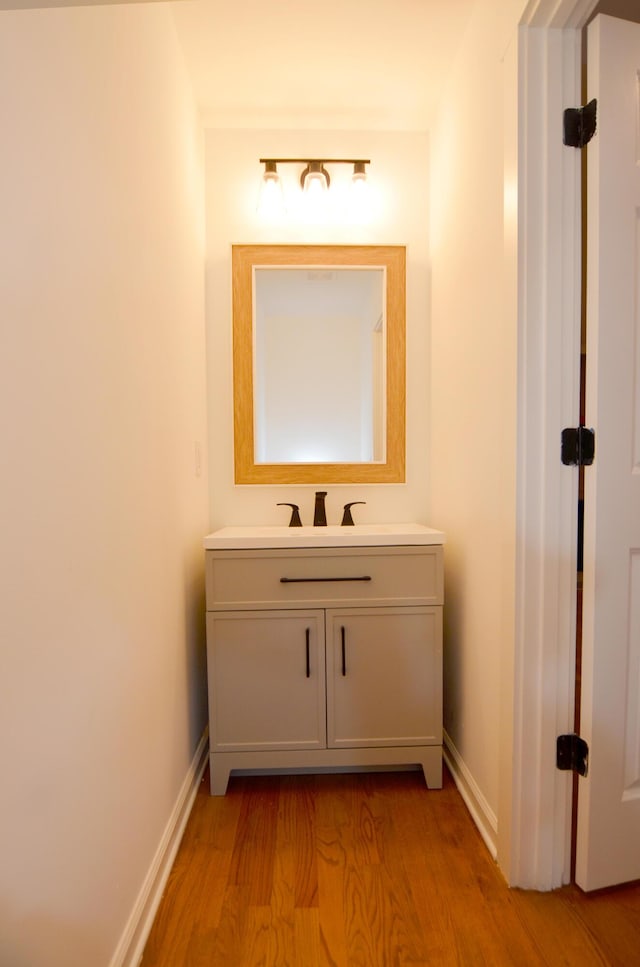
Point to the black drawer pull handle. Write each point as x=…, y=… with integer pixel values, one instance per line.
x=307, y=632
x=344, y=652
x=365, y=577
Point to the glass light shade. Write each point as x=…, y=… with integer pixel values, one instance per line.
x=315, y=180
x=271, y=198
x=359, y=176
x=315, y=184
x=359, y=196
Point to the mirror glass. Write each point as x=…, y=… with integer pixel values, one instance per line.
x=319, y=367
x=319, y=338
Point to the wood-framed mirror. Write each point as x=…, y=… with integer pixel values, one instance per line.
x=319, y=363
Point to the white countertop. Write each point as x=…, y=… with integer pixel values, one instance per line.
x=359, y=535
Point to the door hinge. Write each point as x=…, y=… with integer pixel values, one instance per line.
x=572, y=754
x=579, y=124
x=577, y=446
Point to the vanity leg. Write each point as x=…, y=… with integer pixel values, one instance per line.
x=432, y=767
x=219, y=775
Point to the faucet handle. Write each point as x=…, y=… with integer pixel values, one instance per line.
x=295, y=514
x=347, y=519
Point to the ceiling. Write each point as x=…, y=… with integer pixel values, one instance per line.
x=335, y=64
x=321, y=64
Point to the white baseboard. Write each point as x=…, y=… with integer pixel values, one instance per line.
x=132, y=943
x=481, y=813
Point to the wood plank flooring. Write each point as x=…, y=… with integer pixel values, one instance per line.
x=366, y=870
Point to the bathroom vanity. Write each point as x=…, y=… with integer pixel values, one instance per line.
x=324, y=648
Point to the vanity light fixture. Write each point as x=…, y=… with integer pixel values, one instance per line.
x=314, y=179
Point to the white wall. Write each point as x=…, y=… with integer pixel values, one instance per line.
x=474, y=396
x=399, y=174
x=102, y=402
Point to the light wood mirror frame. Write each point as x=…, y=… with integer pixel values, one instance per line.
x=244, y=258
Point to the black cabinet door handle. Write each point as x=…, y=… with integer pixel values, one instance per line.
x=344, y=652
x=307, y=635
x=364, y=577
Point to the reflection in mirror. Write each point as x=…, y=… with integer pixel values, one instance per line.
x=316, y=328
x=319, y=364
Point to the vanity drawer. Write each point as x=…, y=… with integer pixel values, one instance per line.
x=408, y=575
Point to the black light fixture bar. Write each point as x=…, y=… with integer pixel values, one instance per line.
x=323, y=161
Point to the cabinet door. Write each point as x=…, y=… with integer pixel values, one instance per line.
x=384, y=677
x=266, y=672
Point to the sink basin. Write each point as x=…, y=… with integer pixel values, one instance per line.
x=360, y=535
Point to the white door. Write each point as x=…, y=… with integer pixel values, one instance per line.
x=608, y=844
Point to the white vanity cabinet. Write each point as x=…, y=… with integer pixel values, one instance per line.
x=324, y=657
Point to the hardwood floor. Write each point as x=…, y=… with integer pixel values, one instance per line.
x=366, y=870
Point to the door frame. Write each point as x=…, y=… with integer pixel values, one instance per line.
x=538, y=798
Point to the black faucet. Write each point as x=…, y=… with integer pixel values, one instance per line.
x=319, y=513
